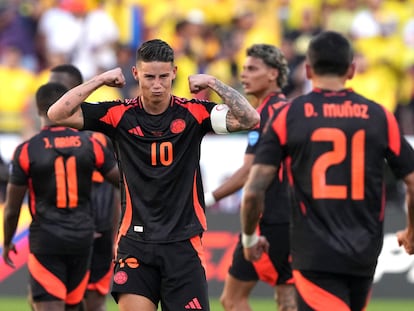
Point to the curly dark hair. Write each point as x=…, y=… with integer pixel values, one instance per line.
x=272, y=57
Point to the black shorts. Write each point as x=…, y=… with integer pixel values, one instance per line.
x=101, y=268
x=171, y=273
x=324, y=291
x=273, y=268
x=59, y=277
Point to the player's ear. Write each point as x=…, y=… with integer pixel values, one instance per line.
x=351, y=71
x=273, y=73
x=135, y=72
x=308, y=71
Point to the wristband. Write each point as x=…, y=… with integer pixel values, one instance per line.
x=209, y=199
x=249, y=240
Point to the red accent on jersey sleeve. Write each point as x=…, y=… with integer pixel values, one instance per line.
x=394, y=140
x=114, y=115
x=99, y=153
x=50, y=282
x=279, y=125
x=316, y=297
x=24, y=160
x=101, y=138
x=96, y=176
x=198, y=111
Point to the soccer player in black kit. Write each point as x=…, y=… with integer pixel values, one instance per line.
x=55, y=167
x=157, y=138
x=334, y=143
x=105, y=206
x=264, y=74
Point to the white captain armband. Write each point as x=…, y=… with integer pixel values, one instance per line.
x=218, y=119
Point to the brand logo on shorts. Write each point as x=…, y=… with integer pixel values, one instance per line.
x=194, y=304
x=120, y=277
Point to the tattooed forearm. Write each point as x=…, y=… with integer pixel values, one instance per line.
x=254, y=193
x=242, y=115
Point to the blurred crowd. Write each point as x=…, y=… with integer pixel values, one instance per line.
x=207, y=36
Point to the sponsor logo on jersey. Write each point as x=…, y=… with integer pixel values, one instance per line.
x=253, y=137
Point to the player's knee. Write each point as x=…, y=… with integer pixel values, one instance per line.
x=227, y=302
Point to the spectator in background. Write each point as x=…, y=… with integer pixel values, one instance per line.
x=125, y=61
x=19, y=30
x=16, y=90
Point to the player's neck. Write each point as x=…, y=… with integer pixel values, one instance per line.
x=45, y=121
x=332, y=83
x=155, y=107
x=262, y=95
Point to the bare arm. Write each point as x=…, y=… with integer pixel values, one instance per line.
x=406, y=237
x=235, y=182
x=252, y=207
x=241, y=116
x=67, y=111
x=15, y=195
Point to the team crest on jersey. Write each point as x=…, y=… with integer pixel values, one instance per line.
x=253, y=137
x=120, y=277
x=177, y=126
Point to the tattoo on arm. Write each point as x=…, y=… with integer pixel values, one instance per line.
x=242, y=115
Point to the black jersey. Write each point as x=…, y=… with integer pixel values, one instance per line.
x=103, y=201
x=277, y=193
x=162, y=193
x=336, y=144
x=57, y=166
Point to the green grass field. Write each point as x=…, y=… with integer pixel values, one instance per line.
x=20, y=304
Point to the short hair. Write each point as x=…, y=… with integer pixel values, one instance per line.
x=47, y=95
x=71, y=71
x=272, y=57
x=330, y=53
x=155, y=50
